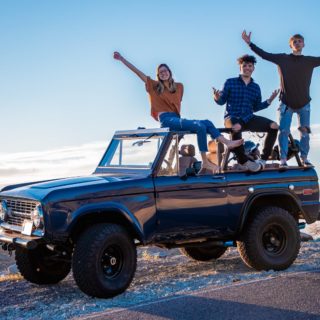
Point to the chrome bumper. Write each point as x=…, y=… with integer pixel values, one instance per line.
x=18, y=239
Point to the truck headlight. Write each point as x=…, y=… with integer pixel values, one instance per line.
x=3, y=210
x=37, y=216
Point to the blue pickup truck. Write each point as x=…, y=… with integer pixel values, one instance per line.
x=147, y=190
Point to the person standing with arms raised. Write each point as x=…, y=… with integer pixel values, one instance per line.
x=165, y=98
x=295, y=72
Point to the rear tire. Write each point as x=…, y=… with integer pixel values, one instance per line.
x=203, y=253
x=38, y=266
x=104, y=261
x=271, y=240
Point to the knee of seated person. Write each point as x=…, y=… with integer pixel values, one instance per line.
x=201, y=127
x=197, y=124
x=274, y=125
x=207, y=122
x=236, y=127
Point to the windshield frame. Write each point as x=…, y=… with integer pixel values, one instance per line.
x=143, y=135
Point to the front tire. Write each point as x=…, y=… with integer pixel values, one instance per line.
x=104, y=261
x=206, y=253
x=271, y=240
x=38, y=265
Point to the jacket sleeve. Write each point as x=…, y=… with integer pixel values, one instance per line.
x=273, y=57
x=150, y=84
x=258, y=104
x=315, y=61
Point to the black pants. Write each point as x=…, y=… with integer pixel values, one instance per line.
x=255, y=124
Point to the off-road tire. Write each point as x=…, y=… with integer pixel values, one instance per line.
x=206, y=253
x=271, y=240
x=38, y=265
x=104, y=260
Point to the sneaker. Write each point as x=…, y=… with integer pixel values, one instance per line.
x=262, y=163
x=306, y=163
x=252, y=166
x=283, y=165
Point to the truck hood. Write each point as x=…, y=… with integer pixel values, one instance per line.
x=77, y=186
x=77, y=181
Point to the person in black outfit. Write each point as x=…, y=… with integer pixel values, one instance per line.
x=295, y=72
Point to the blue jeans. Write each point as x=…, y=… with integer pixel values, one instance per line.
x=200, y=127
x=303, y=114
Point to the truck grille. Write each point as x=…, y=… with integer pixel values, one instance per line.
x=20, y=210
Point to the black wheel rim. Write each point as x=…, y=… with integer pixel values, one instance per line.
x=274, y=240
x=112, y=261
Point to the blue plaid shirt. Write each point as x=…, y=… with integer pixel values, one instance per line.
x=242, y=100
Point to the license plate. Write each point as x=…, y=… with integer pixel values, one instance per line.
x=27, y=227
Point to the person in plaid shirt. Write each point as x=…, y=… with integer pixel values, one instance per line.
x=242, y=97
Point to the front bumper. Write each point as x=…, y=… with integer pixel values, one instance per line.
x=8, y=236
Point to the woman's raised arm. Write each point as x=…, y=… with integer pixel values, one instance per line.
x=140, y=74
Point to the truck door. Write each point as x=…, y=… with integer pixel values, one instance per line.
x=191, y=205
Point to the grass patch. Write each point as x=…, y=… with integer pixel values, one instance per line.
x=11, y=277
x=149, y=257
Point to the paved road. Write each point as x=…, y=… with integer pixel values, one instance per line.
x=294, y=296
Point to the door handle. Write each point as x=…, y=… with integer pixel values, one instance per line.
x=219, y=177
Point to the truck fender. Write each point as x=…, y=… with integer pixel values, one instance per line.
x=263, y=194
x=103, y=208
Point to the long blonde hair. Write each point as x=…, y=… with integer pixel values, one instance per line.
x=160, y=86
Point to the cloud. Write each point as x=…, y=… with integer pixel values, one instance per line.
x=49, y=164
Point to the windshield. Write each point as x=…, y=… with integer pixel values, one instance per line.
x=136, y=152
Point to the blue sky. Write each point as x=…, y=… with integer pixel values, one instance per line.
x=60, y=87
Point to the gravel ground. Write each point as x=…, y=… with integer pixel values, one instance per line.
x=160, y=273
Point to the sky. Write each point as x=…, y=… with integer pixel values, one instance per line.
x=62, y=95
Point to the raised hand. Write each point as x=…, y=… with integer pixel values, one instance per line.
x=246, y=36
x=273, y=95
x=117, y=55
x=216, y=94
x=140, y=74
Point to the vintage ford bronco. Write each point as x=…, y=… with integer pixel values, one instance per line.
x=144, y=192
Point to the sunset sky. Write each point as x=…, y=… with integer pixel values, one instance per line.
x=62, y=95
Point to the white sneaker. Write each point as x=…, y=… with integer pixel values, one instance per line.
x=262, y=163
x=283, y=164
x=252, y=166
